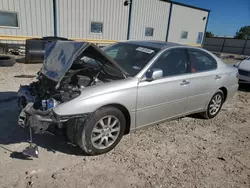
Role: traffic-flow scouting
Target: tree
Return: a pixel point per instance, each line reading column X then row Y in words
column 243, row 33
column 209, row 34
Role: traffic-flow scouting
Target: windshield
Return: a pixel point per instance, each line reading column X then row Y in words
column 132, row 58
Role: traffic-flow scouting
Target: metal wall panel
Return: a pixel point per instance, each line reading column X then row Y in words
column 213, row 48
column 74, row 18
column 214, row 41
column 235, row 42
column 149, row 13
column 35, row 17
column 227, row 45
column 247, row 52
column 186, row 19
column 248, row 44
column 232, row 50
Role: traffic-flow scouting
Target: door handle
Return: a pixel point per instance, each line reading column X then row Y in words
column 217, row 77
column 184, row 83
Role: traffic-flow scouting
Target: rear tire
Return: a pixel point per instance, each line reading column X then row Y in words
column 102, row 131
column 214, row 106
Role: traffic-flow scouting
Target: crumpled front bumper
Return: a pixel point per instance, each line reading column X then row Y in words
column 39, row 121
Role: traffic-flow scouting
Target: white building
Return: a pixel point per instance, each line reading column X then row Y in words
column 105, row 19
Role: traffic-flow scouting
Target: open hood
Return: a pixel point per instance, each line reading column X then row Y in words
column 60, row 55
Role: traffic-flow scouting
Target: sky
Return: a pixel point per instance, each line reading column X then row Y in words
column 226, row 16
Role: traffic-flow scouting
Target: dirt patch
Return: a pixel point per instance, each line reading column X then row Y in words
column 188, row 152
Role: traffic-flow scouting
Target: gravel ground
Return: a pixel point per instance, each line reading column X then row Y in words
column 188, row 152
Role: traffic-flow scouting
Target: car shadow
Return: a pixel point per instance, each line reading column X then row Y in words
column 196, row 116
column 242, row 88
column 21, row 60
column 11, row 133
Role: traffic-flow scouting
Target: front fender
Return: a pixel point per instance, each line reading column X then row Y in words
column 92, row 98
column 125, row 98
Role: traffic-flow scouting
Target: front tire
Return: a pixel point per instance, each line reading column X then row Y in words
column 102, row 131
column 214, row 106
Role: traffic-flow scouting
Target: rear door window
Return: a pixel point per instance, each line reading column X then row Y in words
column 200, row 61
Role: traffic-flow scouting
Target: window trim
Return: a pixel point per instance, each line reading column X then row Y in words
column 18, row 20
column 171, row 76
column 202, row 35
column 98, row 23
column 184, row 38
column 152, row 32
column 189, row 69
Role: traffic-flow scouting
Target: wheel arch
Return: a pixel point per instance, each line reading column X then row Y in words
column 225, row 92
column 125, row 112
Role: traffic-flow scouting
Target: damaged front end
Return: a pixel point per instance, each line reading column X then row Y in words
column 68, row 68
column 38, row 120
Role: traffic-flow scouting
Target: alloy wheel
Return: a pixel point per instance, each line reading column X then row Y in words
column 215, row 104
column 105, row 132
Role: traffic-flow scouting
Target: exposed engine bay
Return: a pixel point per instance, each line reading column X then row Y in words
column 77, row 78
column 68, row 68
column 45, row 95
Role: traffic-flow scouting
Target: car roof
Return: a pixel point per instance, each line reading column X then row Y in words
column 152, row 43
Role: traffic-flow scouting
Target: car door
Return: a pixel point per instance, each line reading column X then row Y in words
column 166, row 97
column 203, row 79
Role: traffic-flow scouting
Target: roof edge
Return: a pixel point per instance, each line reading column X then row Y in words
column 186, row 5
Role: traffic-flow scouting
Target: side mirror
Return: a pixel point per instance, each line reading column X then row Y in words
column 153, row 74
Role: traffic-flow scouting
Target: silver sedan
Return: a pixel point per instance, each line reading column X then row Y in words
column 244, row 71
column 138, row 83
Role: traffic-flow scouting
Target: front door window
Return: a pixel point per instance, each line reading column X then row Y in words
column 172, row 63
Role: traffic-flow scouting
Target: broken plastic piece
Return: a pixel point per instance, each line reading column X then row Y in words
column 31, row 150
